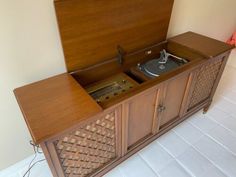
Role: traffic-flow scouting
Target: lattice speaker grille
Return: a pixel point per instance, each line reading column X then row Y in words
column 205, row 82
column 88, row 148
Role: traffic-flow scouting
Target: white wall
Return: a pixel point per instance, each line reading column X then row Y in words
column 214, row 18
column 30, row 50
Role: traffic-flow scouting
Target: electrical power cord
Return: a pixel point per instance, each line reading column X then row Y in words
column 37, row 151
column 28, row 171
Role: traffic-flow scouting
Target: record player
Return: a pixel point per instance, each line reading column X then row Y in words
column 157, row 66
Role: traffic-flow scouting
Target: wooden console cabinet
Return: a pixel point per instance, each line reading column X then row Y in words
column 82, row 137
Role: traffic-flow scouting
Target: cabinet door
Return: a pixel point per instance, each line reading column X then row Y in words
column 173, row 93
column 141, row 117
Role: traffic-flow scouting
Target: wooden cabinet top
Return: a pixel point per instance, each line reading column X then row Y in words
column 204, row 45
column 53, row 105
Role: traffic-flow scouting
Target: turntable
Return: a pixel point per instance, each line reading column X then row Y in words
column 157, row 66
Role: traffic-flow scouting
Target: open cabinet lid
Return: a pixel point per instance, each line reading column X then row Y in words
column 91, row 30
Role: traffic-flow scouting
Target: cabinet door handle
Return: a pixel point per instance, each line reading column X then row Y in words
column 161, row 108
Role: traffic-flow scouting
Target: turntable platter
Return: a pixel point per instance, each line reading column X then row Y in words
column 154, row 68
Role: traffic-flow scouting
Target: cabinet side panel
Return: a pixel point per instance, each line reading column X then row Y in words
column 89, row 148
column 224, row 62
column 206, row 78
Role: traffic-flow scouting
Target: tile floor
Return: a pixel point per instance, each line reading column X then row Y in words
column 202, row 146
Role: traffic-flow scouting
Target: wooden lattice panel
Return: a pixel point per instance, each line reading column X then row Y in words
column 206, row 78
column 88, row 148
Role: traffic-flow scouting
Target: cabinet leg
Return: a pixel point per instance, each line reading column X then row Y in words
column 206, row 108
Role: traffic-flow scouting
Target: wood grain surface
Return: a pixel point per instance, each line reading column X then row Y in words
column 53, row 105
column 91, row 30
column 202, row 44
column 173, row 97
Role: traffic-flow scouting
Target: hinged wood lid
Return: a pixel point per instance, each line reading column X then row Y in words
column 91, row 30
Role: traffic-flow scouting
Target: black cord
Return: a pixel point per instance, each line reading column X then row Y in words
column 36, row 152
column 33, row 166
column 35, row 155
